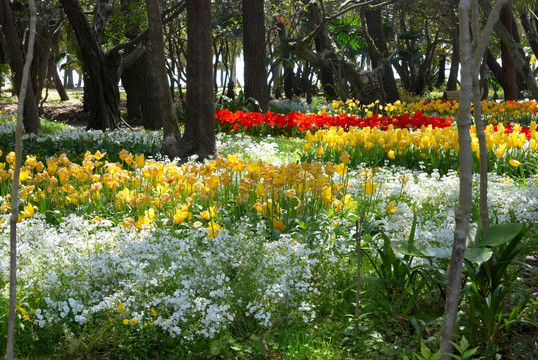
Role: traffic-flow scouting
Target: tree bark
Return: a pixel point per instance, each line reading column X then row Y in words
column 494, row 66
column 441, row 76
column 289, row 90
column 15, row 54
column 25, row 85
column 169, row 119
column 367, row 86
column 129, row 79
column 324, row 44
column 471, row 55
column 139, row 79
column 199, row 137
column 508, row 68
column 152, row 115
column 254, row 52
column 52, row 72
column 522, row 67
column 452, row 83
column 531, row 32
column 100, row 71
column 378, row 51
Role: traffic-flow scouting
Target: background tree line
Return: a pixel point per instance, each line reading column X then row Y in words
column 370, row 50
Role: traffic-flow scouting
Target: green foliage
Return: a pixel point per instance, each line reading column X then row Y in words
column 464, row 351
column 493, row 279
column 58, row 138
column 402, row 281
column 239, row 102
column 426, row 353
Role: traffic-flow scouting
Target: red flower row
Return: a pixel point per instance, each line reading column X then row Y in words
column 315, row 121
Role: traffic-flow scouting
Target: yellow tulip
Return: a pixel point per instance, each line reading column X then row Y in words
column 391, row 207
column 514, row 163
column 278, row 224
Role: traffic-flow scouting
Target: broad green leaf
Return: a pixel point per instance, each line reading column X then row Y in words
column 478, row 255
column 500, row 234
column 436, row 252
column 473, row 234
column 403, row 247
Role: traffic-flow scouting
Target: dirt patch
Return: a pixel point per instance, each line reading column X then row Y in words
column 69, row 112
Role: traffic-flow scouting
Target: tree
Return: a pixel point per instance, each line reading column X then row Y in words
column 254, row 52
column 379, row 52
column 139, row 78
column 100, row 69
column 452, row 83
column 157, row 51
column 25, row 86
column 471, row 55
column 16, row 54
column 199, row 137
column 508, row 68
column 329, row 60
column 418, row 37
column 521, row 65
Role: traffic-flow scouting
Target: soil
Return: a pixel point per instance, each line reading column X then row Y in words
column 70, row 112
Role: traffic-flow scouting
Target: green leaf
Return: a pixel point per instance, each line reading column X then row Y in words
column 403, row 247
column 500, row 234
column 473, row 234
column 478, row 255
column 440, row 253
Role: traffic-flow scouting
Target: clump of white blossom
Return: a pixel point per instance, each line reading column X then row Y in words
column 433, row 198
column 197, row 285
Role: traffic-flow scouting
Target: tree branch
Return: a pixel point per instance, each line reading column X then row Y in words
column 172, row 13
column 341, row 11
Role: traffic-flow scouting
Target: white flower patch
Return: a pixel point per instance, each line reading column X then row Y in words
column 197, row 285
column 259, row 150
column 434, row 198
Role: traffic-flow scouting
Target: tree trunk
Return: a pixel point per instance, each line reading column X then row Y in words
column 129, row 79
column 15, row 54
column 441, row 76
column 254, row 52
column 531, row 33
column 68, row 77
column 378, row 51
column 471, row 55
column 152, row 115
column 508, row 68
column 322, row 43
column 287, row 61
column 169, row 119
column 521, row 65
column 452, row 83
column 40, row 63
column 367, row 86
column 200, row 108
column 101, row 77
column 494, row 66
column 25, row 85
column 52, row 72
column 199, row 138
